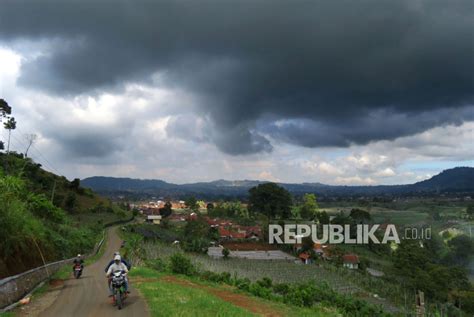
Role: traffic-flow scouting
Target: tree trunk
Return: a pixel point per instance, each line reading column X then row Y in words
column 9, row 135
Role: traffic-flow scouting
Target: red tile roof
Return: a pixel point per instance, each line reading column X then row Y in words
column 350, row 258
column 304, row 256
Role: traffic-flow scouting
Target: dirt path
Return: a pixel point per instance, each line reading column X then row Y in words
column 236, row 299
column 87, row 296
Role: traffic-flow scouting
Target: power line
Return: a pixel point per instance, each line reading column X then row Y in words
column 46, row 162
column 33, row 147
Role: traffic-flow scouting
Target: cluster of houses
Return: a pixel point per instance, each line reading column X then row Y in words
column 151, row 210
column 230, row 231
column 156, row 205
column 226, row 228
column 349, row 260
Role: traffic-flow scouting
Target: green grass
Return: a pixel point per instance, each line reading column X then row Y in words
column 7, row 314
column 169, row 299
column 63, row 273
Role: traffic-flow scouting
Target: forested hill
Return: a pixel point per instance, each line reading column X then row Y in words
column 455, row 180
column 43, row 214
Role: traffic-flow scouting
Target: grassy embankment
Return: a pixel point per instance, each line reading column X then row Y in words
column 46, row 217
column 177, row 295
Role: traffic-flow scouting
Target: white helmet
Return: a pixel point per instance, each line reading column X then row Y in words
column 78, row 255
column 117, row 258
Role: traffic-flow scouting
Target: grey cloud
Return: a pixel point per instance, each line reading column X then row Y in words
column 188, row 127
column 379, row 125
column 337, row 64
column 89, row 144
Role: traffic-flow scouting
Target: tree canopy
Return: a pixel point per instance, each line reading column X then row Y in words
column 271, row 200
column 309, row 209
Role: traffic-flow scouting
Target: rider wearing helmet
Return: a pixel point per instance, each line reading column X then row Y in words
column 78, row 260
column 128, row 265
column 117, row 265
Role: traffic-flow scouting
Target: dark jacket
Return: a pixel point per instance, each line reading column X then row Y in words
column 128, row 265
column 78, row 261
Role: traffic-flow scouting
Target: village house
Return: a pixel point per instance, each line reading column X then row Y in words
column 229, row 231
column 305, row 257
column 350, row 261
column 155, row 219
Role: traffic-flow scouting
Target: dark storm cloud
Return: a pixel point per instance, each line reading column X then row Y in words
column 379, row 125
column 91, row 142
column 336, row 64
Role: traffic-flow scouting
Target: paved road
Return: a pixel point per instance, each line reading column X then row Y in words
column 87, row 296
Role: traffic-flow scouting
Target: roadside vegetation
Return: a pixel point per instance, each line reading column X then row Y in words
column 173, row 294
column 45, row 217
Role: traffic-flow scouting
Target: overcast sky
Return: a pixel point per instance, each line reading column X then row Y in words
column 338, row 92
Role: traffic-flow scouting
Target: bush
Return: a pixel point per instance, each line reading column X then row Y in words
column 265, row 282
column 225, row 253
column 243, row 284
column 180, row 264
column 198, row 245
column 157, row 264
column 281, row 289
column 260, row 291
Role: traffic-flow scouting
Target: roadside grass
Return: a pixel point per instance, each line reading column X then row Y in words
column 165, row 298
column 7, row 314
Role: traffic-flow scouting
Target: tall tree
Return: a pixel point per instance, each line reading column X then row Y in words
column 309, row 209
column 360, row 216
column 270, row 200
column 166, row 210
column 5, row 111
column 10, row 125
column 30, row 139
column 191, row 203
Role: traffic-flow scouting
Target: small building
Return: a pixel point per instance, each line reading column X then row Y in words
column 155, row 219
column 305, row 257
column 193, row 216
column 351, row 261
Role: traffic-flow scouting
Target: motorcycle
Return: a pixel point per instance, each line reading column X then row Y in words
column 77, row 270
column 118, row 287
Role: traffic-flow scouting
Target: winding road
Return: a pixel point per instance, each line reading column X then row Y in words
column 87, row 296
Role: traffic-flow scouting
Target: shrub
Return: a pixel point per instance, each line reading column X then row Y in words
column 265, row 282
column 180, row 264
column 260, row 291
column 281, row 289
column 157, row 264
column 243, row 284
column 225, row 253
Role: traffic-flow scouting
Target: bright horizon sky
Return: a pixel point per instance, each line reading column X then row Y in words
column 300, row 93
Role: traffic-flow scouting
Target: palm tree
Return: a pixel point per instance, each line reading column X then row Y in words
column 10, row 125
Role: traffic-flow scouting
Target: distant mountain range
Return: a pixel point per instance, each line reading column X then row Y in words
column 455, row 180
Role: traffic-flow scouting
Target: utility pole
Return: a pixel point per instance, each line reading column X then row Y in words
column 52, row 194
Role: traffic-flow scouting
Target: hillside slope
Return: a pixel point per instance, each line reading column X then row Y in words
column 45, row 216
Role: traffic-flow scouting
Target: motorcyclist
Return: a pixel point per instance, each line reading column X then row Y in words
column 117, row 265
column 78, row 260
column 128, row 265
